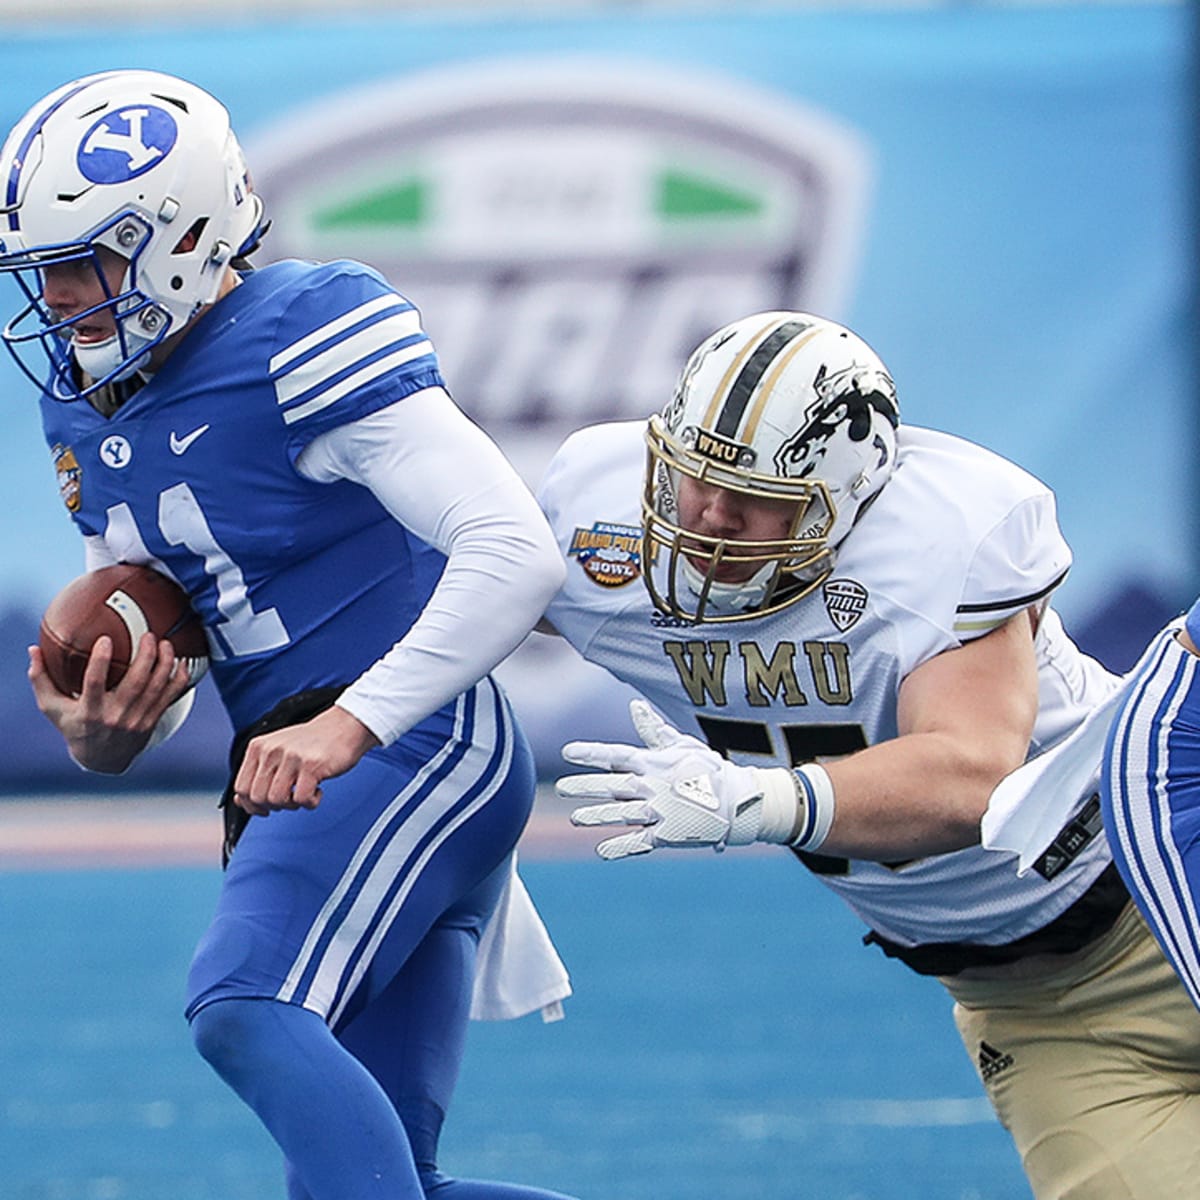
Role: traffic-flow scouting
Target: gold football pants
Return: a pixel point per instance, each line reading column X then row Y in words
column 1092, row 1063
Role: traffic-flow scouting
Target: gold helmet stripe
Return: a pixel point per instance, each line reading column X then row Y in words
column 751, row 375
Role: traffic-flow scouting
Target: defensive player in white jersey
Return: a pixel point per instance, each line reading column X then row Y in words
column 846, row 623
column 281, row 442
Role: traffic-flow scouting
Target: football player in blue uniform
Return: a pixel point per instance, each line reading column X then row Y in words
column 282, row 444
column 1150, row 792
column 1146, row 736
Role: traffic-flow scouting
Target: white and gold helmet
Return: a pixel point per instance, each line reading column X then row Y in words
column 776, row 406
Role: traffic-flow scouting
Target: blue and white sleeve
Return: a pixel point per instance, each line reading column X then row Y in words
column 347, row 346
column 443, row 478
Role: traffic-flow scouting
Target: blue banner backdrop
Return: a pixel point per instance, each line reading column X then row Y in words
column 996, row 198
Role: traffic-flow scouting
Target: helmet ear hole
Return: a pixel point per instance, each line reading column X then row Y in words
column 190, row 240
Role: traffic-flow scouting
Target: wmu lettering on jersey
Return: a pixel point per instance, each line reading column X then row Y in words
column 760, row 677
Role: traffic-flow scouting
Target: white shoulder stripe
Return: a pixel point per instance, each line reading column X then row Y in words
column 361, row 313
column 346, row 353
column 371, row 371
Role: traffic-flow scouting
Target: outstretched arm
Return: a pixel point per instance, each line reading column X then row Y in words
column 965, row 720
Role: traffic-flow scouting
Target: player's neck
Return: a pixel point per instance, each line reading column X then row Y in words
column 108, row 399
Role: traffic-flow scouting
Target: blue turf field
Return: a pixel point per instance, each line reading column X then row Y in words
column 729, row 1039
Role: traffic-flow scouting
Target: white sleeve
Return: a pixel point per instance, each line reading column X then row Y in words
column 1016, row 565
column 442, row 477
column 96, row 553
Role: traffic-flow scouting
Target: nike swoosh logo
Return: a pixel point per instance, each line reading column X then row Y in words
column 180, row 444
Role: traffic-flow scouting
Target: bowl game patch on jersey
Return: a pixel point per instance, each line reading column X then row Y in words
column 610, row 554
column 66, row 469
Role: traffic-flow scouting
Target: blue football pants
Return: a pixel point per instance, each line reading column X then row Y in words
column 332, row 988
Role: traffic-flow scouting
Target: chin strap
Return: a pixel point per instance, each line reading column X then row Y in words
column 725, row 598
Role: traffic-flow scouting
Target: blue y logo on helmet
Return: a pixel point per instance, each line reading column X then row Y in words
column 126, row 143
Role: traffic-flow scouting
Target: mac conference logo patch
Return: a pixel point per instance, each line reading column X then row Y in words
column 845, row 602
column 571, row 230
column 610, row 555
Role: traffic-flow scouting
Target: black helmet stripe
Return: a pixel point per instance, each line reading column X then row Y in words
column 751, row 375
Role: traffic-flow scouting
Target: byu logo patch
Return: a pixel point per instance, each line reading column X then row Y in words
column 126, row 143
column 116, row 452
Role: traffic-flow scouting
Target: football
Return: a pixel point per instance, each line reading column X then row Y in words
column 123, row 601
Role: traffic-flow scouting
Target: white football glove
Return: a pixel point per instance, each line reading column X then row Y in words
column 680, row 790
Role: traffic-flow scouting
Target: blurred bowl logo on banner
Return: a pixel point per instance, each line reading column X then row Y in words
column 572, row 229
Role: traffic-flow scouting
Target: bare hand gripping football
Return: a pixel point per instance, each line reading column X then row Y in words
column 122, row 602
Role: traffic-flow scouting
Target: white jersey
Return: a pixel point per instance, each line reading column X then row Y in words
column 958, row 541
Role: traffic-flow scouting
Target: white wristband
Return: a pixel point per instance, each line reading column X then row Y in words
column 780, row 814
column 797, row 806
column 815, row 805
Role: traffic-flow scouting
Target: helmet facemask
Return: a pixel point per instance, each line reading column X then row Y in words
column 778, row 410
column 139, row 325
column 684, row 569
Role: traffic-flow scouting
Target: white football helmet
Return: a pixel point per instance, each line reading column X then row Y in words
column 780, row 405
column 134, row 161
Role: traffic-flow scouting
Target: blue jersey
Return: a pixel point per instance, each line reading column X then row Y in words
column 299, row 584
